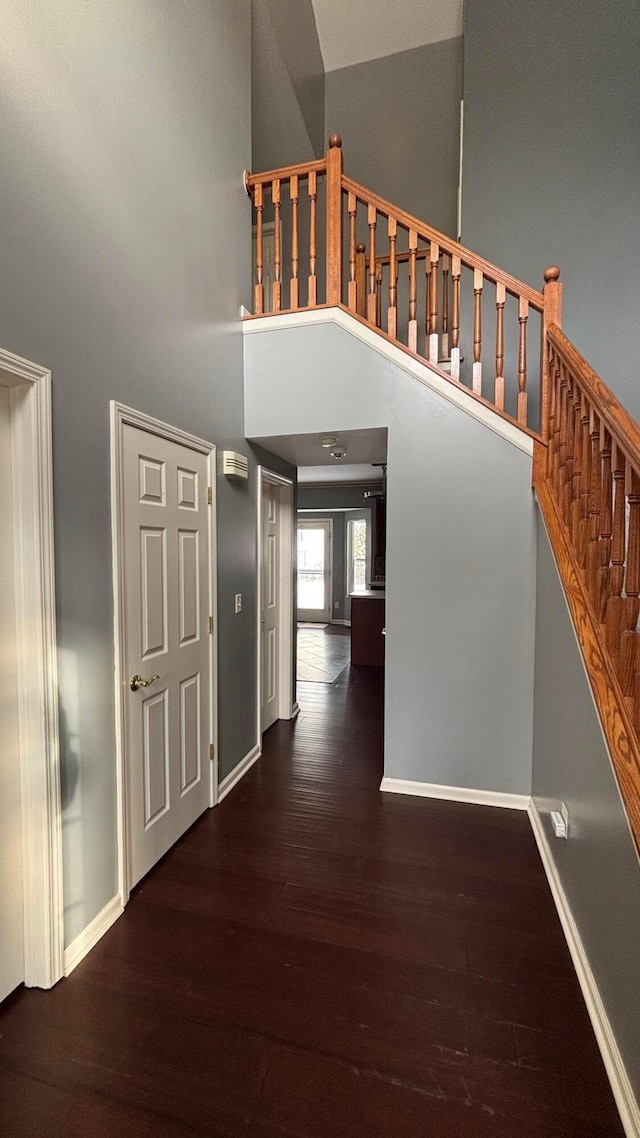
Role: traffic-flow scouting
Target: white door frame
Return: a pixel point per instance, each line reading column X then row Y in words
column 287, row 707
column 32, row 504
column 121, row 417
column 309, row 523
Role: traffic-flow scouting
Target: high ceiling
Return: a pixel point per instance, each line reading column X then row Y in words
column 363, row 447
column 359, row 30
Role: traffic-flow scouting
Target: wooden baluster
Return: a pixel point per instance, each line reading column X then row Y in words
column 629, row 639
column 553, row 418
column 580, row 519
column 259, row 287
column 392, row 313
column 615, row 602
column 455, row 319
column 333, row 192
column 523, row 316
column 446, row 262
column 434, row 257
column 372, row 305
column 352, row 206
column 606, row 523
column 592, row 557
column 277, row 247
column 413, row 292
column 313, row 248
column 560, row 443
column 554, row 444
column 378, row 304
column 552, row 314
column 571, row 449
column 576, row 473
column 501, row 296
column 477, row 331
column 361, row 279
column 294, row 287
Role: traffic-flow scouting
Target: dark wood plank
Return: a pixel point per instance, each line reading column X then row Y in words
column 314, row 959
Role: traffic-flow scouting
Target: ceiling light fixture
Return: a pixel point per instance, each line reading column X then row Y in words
column 328, row 440
column 338, row 453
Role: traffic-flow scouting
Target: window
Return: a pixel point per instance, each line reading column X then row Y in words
column 356, row 555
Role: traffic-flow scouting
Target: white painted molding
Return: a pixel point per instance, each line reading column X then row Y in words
column 32, row 505
column 456, row 793
column 89, row 937
column 345, row 623
column 612, row 1059
column 122, row 416
column 295, row 710
column 238, row 772
column 425, row 373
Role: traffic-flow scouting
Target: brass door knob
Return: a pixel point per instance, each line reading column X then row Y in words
column 137, row 682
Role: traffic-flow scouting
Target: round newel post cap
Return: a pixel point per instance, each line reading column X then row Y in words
column 551, row 274
column 361, row 247
column 335, row 140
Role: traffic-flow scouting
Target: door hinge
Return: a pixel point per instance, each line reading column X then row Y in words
column 209, row 495
column 211, row 626
column 212, row 751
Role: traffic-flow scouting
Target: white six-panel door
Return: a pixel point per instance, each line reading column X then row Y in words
column 270, row 622
column 167, row 555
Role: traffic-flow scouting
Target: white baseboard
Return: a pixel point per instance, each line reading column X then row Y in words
column 455, row 793
column 234, row 776
column 89, row 937
column 295, row 710
column 346, row 623
column 611, row 1057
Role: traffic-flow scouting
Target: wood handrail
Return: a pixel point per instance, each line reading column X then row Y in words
column 624, row 428
column 467, row 257
column 286, row 173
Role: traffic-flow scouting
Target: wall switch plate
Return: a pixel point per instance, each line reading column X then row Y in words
column 238, row 603
column 336, row 604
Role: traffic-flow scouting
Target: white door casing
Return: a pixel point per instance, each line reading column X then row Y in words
column 164, row 628
column 39, row 800
column 275, row 656
column 270, row 618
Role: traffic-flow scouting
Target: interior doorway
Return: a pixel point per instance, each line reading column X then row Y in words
column 275, row 599
column 31, row 906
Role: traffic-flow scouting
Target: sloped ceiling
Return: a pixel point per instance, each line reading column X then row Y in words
column 357, row 30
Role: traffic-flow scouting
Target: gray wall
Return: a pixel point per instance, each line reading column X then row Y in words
column 399, row 120
column 598, row 865
column 460, row 553
column 552, row 162
column 125, row 254
column 287, row 96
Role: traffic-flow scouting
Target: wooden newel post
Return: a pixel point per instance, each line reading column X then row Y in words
column 334, row 220
column 551, row 314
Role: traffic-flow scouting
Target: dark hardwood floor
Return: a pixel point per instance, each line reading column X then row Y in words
column 315, row 958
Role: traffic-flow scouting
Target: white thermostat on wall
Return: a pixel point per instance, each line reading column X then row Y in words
column 235, row 465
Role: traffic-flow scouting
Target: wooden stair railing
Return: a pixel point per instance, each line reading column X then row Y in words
column 425, row 292
column 587, row 480
column 586, row 465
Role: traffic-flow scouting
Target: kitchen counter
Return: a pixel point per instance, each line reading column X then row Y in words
column 367, row 623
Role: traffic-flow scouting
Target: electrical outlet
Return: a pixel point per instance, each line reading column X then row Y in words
column 336, row 605
column 238, row 603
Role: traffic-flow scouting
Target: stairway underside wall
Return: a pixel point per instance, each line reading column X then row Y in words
column 460, row 552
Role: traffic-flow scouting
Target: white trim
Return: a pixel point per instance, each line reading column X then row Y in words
column 425, row 373
column 295, row 710
column 122, row 416
column 456, row 793
column 32, row 507
column 89, row 937
column 612, row 1059
column 238, row 772
column 286, row 580
column 346, row 623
